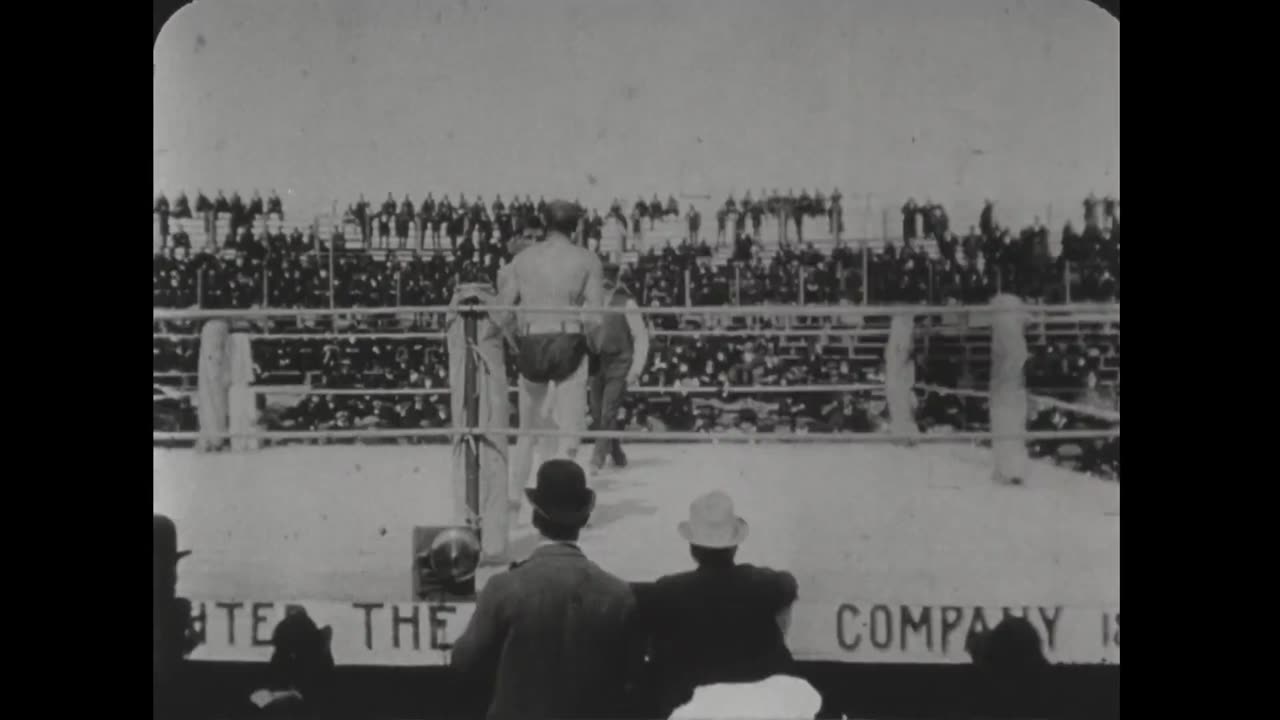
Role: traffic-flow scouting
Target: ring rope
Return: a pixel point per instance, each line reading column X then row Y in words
column 1106, row 310
column 430, row 335
column 1099, row 413
column 653, row 389
column 647, row 435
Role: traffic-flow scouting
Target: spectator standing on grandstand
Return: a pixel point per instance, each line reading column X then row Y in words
column 756, row 210
column 202, row 203
column 1091, row 210
column 238, row 214
column 722, row 217
column 835, row 214
column 987, row 220
column 798, row 210
column 655, row 210
column 256, row 207
column 673, row 207
column 556, row 635
column 362, row 216
column 621, row 348
column 909, row 213
column 220, row 204
column 637, row 223
column 403, row 218
column 388, row 212
column 721, row 622
column 695, row 223
column 161, row 211
column 181, row 209
column 426, row 217
column 443, row 219
column 275, row 206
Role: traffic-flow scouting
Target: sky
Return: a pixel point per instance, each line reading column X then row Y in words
column 954, row 101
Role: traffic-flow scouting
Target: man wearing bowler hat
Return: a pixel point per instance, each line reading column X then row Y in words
column 722, row 622
column 172, row 638
column 556, row 634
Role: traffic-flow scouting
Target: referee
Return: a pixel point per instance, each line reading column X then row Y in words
column 621, row 348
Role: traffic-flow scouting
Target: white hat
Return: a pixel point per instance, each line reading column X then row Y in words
column 712, row 522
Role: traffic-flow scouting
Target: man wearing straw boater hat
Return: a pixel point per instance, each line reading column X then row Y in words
column 556, row 635
column 722, row 622
column 552, row 346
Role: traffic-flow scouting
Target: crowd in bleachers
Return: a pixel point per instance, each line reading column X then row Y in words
column 277, row 270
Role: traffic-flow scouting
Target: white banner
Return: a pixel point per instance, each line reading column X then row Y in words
column 421, row 634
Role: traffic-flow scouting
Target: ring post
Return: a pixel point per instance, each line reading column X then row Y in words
column 472, row 404
column 479, row 398
column 1008, row 390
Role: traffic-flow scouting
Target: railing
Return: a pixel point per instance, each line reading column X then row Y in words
column 864, row 284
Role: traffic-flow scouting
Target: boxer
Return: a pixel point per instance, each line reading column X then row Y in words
column 551, row 348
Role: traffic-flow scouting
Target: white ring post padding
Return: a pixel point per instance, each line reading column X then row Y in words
column 665, row 436
column 899, row 375
column 213, row 383
column 1008, row 404
column 242, row 403
column 492, row 451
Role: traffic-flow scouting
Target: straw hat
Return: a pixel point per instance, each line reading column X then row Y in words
column 712, row 523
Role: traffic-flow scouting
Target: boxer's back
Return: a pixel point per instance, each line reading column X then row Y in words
column 557, row 273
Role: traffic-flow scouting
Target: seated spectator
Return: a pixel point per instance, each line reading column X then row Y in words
column 722, row 622
column 300, row 673
column 1009, row 670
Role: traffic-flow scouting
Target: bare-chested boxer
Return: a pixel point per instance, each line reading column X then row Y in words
column 551, row 347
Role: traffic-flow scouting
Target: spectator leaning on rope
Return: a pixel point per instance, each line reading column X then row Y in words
column 722, row 622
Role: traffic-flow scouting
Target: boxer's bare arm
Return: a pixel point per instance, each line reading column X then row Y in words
column 593, row 292
column 508, row 294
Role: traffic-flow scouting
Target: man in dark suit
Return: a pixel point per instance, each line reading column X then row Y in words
column 171, row 632
column 720, row 623
column 620, row 349
column 556, row 634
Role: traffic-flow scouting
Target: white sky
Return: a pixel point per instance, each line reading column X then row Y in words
column 956, row 100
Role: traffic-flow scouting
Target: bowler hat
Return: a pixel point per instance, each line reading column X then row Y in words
column 712, row 523
column 562, row 494
column 164, row 539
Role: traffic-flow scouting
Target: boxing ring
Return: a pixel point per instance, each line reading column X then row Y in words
column 901, row 541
